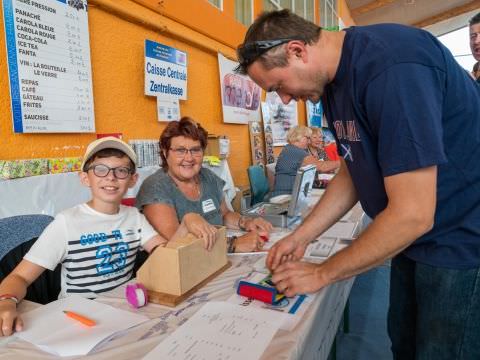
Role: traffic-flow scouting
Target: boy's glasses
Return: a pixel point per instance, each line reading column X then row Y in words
column 182, row 152
column 101, row 170
column 249, row 52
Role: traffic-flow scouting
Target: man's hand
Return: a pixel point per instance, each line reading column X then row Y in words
column 9, row 319
column 287, row 249
column 295, row 277
column 199, row 227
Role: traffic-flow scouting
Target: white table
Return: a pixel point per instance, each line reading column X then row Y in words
column 312, row 338
column 50, row 194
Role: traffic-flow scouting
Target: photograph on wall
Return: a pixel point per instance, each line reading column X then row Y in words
column 281, row 117
column 256, row 143
column 267, row 130
column 314, row 114
column 240, row 95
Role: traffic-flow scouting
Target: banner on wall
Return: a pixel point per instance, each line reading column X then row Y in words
column 48, row 52
column 240, row 95
column 165, row 71
column 314, row 114
column 256, row 143
column 279, row 117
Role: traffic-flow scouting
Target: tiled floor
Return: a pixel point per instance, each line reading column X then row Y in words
column 367, row 338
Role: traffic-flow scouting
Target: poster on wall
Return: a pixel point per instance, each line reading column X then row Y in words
column 165, row 71
column 267, row 130
column 168, row 109
column 240, row 95
column 256, row 143
column 281, row 117
column 315, row 114
column 48, row 52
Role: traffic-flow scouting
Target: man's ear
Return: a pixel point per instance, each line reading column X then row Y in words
column 297, row 49
column 84, row 178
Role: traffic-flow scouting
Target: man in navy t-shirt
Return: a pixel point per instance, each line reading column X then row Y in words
column 406, row 118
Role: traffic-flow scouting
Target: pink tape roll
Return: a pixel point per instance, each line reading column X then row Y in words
column 136, row 295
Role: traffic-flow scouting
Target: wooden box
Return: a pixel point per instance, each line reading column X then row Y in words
column 181, row 265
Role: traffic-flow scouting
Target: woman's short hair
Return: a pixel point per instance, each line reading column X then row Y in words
column 297, row 132
column 186, row 127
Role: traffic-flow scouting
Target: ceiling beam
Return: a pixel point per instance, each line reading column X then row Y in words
column 459, row 10
column 370, row 6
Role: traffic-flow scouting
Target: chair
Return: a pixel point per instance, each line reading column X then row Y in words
column 258, row 184
column 17, row 235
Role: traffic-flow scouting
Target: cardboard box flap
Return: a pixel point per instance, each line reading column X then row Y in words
column 178, row 243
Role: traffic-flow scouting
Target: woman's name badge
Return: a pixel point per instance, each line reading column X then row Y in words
column 208, row 206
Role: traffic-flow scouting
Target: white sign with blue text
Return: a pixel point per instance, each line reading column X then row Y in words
column 165, row 71
column 48, row 52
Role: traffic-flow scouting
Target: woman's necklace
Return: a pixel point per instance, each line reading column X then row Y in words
column 192, row 192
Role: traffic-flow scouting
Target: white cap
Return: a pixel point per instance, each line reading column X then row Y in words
column 108, row 142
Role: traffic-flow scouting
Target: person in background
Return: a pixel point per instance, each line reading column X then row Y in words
column 406, row 118
column 474, row 27
column 316, row 148
column 96, row 242
column 183, row 186
column 293, row 156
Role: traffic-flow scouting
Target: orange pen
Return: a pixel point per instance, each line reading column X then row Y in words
column 80, row 318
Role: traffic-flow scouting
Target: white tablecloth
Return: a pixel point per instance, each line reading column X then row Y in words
column 50, row 194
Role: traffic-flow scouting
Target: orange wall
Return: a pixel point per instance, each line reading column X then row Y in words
column 118, row 29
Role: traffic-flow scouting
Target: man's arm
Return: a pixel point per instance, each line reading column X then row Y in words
column 408, row 215
column 339, row 197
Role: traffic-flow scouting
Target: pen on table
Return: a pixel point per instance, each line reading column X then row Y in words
column 80, row 318
column 264, row 237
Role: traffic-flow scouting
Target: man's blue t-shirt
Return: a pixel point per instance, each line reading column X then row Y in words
column 399, row 102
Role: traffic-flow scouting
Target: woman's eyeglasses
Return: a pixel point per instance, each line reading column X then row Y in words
column 249, row 52
column 182, row 152
column 101, row 170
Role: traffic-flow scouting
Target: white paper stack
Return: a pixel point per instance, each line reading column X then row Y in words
column 51, row 330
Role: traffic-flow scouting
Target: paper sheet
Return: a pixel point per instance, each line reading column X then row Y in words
column 50, row 329
column 341, row 229
column 220, row 330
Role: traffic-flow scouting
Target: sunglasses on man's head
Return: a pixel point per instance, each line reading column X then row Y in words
column 249, row 52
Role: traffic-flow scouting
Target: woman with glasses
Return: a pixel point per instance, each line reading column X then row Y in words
column 183, row 186
column 295, row 155
column 316, row 148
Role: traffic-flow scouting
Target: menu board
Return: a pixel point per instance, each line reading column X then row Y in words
column 49, row 67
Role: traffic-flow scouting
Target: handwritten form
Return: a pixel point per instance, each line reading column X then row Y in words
column 51, row 330
column 220, row 330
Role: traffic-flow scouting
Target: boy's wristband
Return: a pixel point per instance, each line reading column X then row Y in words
column 9, row 297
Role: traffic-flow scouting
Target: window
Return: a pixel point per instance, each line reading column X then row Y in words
column 244, row 11
column 328, row 14
column 303, row 8
column 217, row 3
column 458, row 43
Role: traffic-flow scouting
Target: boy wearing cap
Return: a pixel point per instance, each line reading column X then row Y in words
column 96, row 242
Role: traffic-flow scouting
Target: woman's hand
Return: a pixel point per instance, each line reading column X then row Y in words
column 257, row 224
column 9, row 319
column 199, row 227
column 250, row 242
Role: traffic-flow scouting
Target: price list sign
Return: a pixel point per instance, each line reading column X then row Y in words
column 49, row 67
